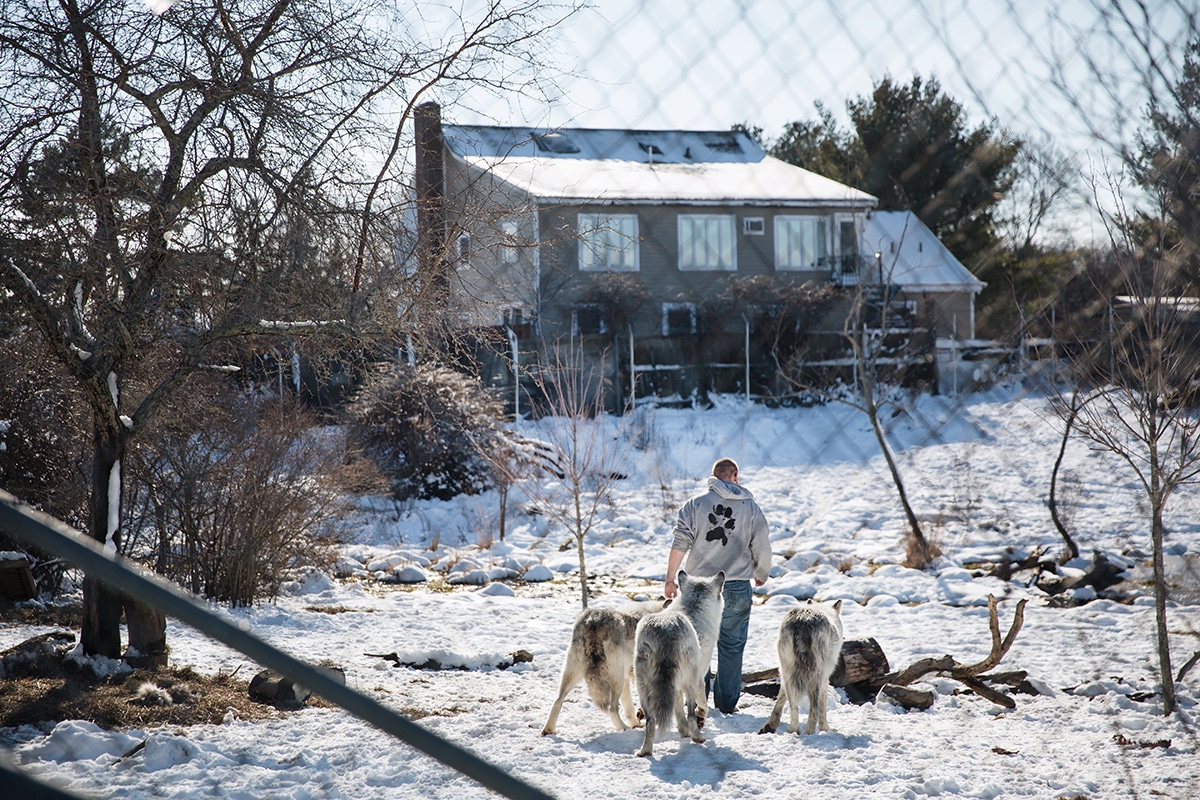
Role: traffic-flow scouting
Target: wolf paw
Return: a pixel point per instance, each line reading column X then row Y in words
column 768, row 728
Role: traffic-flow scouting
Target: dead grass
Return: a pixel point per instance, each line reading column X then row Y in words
column 50, row 689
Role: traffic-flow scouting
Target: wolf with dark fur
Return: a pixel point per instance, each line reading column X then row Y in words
column 672, row 653
column 601, row 653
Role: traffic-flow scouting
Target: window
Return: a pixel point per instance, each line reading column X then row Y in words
column 847, row 244
column 464, row 249
column 554, row 142
column 706, row 241
column 678, row 319
column 800, row 243
column 519, row 320
column 588, row 319
column 508, row 247
column 608, row 242
column 726, row 143
column 753, row 226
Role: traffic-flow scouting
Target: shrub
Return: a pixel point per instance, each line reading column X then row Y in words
column 424, row 427
column 44, row 458
column 229, row 498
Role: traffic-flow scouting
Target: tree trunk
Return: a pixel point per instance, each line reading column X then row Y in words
column 147, row 635
column 100, row 633
column 923, row 552
column 1072, row 550
column 1160, row 608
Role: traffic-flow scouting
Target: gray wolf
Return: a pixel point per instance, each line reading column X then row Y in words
column 672, row 653
column 601, row 652
column 810, row 643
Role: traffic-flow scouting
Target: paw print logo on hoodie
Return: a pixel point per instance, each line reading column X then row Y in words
column 721, row 518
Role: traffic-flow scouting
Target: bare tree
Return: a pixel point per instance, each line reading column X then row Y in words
column 878, row 356
column 873, row 395
column 173, row 183
column 574, row 490
column 1144, row 407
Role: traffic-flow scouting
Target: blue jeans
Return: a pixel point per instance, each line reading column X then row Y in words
column 735, row 625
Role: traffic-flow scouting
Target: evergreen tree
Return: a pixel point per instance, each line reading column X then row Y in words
column 912, row 146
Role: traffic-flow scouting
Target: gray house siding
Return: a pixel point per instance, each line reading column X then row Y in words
column 564, row 283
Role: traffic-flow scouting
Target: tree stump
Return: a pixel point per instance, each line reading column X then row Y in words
column 861, row 660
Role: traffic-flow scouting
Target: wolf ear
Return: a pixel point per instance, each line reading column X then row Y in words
column 838, row 606
column 680, row 578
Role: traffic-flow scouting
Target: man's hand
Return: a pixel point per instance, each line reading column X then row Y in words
column 669, row 589
column 757, row 582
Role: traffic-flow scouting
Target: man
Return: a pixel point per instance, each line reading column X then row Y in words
column 724, row 529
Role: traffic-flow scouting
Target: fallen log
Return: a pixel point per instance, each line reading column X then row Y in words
column 432, row 664
column 908, row 697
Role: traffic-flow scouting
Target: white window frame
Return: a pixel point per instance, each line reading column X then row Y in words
column 667, row 308
column 792, row 250
column 575, row 309
column 509, row 253
column 754, row 226
column 707, row 242
column 608, row 243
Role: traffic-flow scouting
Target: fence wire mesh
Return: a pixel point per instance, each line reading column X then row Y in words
column 1083, row 90
column 1079, row 121
column 1052, row 146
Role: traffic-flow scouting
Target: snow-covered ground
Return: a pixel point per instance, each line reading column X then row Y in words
column 977, row 469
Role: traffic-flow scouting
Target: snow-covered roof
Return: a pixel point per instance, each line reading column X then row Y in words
column 913, row 257
column 591, row 165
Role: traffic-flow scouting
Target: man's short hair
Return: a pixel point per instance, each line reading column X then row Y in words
column 724, row 466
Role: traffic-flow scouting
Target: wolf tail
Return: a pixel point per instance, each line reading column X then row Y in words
column 656, row 681
column 598, row 660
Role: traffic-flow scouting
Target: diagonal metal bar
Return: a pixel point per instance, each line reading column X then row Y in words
column 46, row 533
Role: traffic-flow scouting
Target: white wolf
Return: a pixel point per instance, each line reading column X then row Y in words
column 810, row 643
column 601, row 652
column 672, row 653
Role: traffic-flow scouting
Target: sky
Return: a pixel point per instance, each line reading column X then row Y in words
column 716, row 62
column 976, row 467
column 1076, row 74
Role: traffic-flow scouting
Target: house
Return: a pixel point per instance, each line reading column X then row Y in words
column 646, row 246
column 934, row 285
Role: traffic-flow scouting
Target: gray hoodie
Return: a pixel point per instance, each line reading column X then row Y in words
column 724, row 529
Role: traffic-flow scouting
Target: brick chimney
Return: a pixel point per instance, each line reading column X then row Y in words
column 430, row 182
